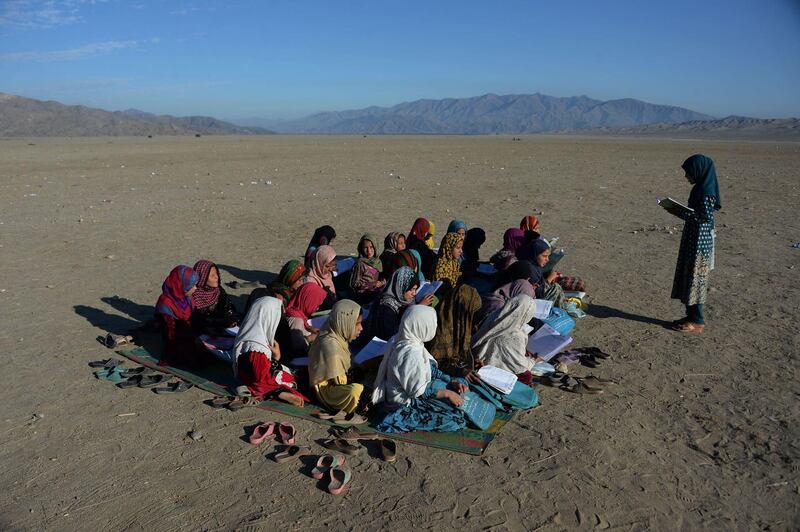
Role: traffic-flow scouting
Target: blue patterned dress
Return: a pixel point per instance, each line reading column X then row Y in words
column 696, row 255
column 426, row 412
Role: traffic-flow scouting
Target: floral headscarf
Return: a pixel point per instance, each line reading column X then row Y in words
column 448, row 267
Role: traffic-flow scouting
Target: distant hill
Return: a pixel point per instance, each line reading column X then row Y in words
column 26, row 117
column 731, row 127
column 491, row 114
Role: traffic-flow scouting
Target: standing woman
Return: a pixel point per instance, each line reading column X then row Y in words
column 696, row 255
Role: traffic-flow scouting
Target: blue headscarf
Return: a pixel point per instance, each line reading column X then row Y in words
column 701, row 170
column 455, row 225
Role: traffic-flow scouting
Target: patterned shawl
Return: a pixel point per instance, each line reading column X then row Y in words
column 292, row 271
column 373, row 261
column 448, row 267
column 401, row 282
column 451, row 346
column 173, row 301
column 205, row 296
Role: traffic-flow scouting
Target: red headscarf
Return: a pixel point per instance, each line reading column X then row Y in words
column 173, row 301
column 420, row 229
column 205, row 296
column 305, row 301
column 529, row 223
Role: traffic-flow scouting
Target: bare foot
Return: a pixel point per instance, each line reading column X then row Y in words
column 292, row 399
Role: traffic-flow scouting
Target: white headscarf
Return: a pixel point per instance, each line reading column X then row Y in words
column 405, row 370
column 501, row 341
column 257, row 332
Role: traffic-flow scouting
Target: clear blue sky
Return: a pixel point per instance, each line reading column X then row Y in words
column 289, row 58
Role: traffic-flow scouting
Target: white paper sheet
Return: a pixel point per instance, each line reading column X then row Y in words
column 232, row 331
column 547, row 342
column 543, row 307
column 375, row 348
column 500, row 379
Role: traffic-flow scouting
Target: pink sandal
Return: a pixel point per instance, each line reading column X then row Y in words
column 325, row 463
column 286, row 433
column 261, row 432
column 340, row 480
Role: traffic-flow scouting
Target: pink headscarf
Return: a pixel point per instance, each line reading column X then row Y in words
column 513, row 239
column 317, row 275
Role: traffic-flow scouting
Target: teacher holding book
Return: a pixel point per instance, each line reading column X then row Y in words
column 696, row 255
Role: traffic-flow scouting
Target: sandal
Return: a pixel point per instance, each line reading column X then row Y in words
column 107, row 363
column 689, row 327
column 596, row 352
column 132, row 382
column 241, row 402
column 599, row 381
column 341, row 414
column 352, row 434
column 148, row 381
column 141, row 370
column 589, row 361
column 340, row 480
column 112, row 340
column 174, row 387
column 220, row 402
column 286, row 433
column 326, row 463
column 388, row 450
column 291, row 452
column 341, row 445
column 261, row 432
column 350, row 419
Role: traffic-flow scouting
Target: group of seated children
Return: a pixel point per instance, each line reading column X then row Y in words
column 435, row 344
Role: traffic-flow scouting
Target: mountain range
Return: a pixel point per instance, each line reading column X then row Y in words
column 491, row 114
column 26, row 117
column 481, row 115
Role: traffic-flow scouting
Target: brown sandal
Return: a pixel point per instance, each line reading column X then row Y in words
column 689, row 327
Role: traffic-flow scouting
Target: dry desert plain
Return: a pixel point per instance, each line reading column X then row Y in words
column 701, row 433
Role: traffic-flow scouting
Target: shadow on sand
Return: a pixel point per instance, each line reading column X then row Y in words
column 602, row 311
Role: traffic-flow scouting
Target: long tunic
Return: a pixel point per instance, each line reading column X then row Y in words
column 696, row 255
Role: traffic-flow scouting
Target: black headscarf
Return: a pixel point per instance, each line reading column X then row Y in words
column 473, row 240
column 523, row 269
column 701, row 170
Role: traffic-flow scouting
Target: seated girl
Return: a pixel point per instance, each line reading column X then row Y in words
column 451, row 347
column 330, row 359
column 323, row 262
column 365, row 279
column 291, row 276
column 494, row 301
column 513, row 240
column 458, row 226
column 448, row 265
column 386, row 311
column 305, row 302
column 323, row 236
column 548, row 288
column 411, row 393
column 407, row 257
column 502, row 341
column 173, row 313
column 532, row 226
column 256, row 355
column 473, row 241
column 212, row 311
column 393, row 243
column 420, row 232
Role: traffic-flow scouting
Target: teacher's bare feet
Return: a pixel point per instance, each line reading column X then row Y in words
column 689, row 327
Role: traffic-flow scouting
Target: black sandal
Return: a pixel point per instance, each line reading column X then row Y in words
column 174, row 387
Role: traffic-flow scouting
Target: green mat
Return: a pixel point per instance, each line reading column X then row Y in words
column 217, row 378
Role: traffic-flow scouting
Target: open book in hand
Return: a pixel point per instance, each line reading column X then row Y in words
column 673, row 207
column 427, row 288
column 547, row 342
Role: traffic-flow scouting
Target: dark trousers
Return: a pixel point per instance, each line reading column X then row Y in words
column 694, row 313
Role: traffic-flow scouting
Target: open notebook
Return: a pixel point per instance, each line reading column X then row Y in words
column 547, row 342
column 672, row 206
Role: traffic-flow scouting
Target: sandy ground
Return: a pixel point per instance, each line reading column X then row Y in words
column 702, row 433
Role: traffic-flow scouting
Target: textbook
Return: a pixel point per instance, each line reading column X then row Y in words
column 427, row 288
column 375, row 348
column 486, row 268
column 498, row 378
column 543, row 308
column 344, row 265
column 672, row 206
column 232, row 331
column 555, row 257
column 547, row 342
